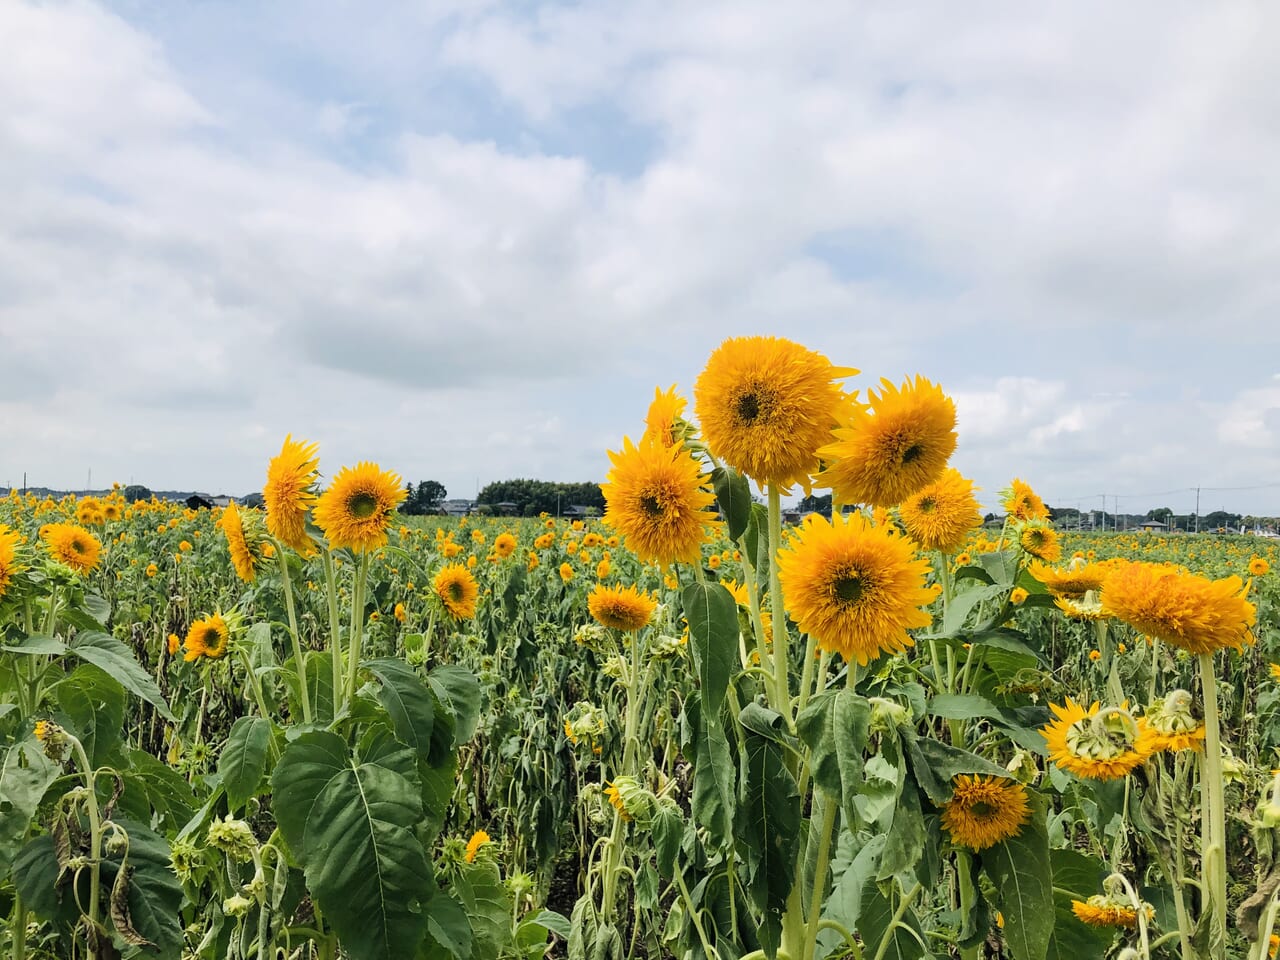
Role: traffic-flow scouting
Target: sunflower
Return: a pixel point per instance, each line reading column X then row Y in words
column 458, row 589
column 1173, row 723
column 855, row 587
column 940, row 516
column 1018, row 596
column 1073, row 582
column 478, row 840
column 655, row 498
column 766, row 405
column 1022, row 503
column 504, row 544
column 1038, row 539
column 8, row 557
column 1105, row 911
column 1187, row 610
column 623, row 608
column 1081, row 609
column 566, row 572
column 1258, row 567
column 289, row 493
column 663, row 424
column 984, row 811
column 1098, row 747
column 72, row 546
column 242, row 552
column 901, row 445
column 206, row 638
column 356, row 509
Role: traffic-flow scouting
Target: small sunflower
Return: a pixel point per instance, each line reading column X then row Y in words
column 73, row 546
column 623, row 608
column 1073, row 582
column 1173, row 723
column 8, row 557
column 1038, row 539
column 1018, row 596
column 458, row 590
column 855, row 587
column 766, row 404
column 984, row 811
column 1082, row 609
column 1184, row 609
column 664, row 424
column 941, row 515
column 1097, row 746
column 897, row 447
column 1022, row 503
column 207, row 638
column 1258, row 567
column 289, row 493
column 566, row 572
column 1101, row 910
column 478, row 840
column 243, row 556
column 356, row 509
column 504, row 544
column 655, row 497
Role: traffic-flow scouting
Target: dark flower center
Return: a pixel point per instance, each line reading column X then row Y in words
column 982, row 809
column 912, row 454
column 211, row 637
column 362, row 506
column 851, row 588
column 455, row 592
column 927, row 505
column 651, row 505
column 747, row 408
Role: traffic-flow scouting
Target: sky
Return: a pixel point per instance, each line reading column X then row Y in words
column 467, row 239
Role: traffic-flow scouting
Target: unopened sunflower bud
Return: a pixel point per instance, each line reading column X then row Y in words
column 185, row 857
column 1232, row 769
column 888, row 715
column 234, row 838
column 1023, row 767
column 667, row 648
column 614, row 667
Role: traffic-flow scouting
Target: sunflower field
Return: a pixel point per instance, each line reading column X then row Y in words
column 687, row 730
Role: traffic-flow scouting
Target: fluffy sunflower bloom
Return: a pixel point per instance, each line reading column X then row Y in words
column 1022, row 503
column 356, row 509
column 1073, row 582
column 1175, row 727
column 664, row 424
column 1101, row 910
column 72, row 546
column 766, row 404
column 8, row 557
column 655, row 498
column 244, row 555
column 206, row 638
column 897, row 447
column 1038, row 539
column 478, row 840
column 458, row 590
column 566, row 572
column 1187, row 610
column 984, row 811
column 1097, row 746
column 623, row 608
column 504, row 544
column 289, row 493
column 856, row 588
column 941, row 515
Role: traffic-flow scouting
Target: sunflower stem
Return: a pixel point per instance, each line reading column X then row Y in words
column 357, row 628
column 829, row 806
column 964, row 875
column 335, row 628
column 781, row 668
column 300, row 664
column 1213, row 841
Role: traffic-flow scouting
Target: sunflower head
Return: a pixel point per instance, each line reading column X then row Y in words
column 504, row 544
column 1174, row 725
column 1022, row 503
column 856, row 588
column 356, row 510
column 1038, row 539
column 1073, row 582
column 984, row 811
column 1099, row 745
column 290, row 493
column 1184, row 609
column 72, row 546
column 623, row 608
column 766, row 404
column 665, row 423
column 457, row 590
column 207, row 638
column 941, row 515
column 1258, row 567
column 9, row 540
column 244, row 540
column 478, row 840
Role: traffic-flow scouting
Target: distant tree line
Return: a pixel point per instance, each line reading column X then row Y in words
column 533, row 497
column 425, row 498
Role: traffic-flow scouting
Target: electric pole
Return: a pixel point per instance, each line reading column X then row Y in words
column 1197, row 509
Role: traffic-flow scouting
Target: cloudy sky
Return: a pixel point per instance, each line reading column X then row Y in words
column 467, row 239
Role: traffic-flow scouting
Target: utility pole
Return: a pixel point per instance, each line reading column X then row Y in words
column 1116, row 497
column 1197, row 509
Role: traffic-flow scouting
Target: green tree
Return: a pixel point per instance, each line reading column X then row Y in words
column 135, row 492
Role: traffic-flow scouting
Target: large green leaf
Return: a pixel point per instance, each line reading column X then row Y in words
column 851, row 726
column 876, row 924
column 844, row 905
column 352, row 825
column 92, row 702
column 770, row 825
column 448, row 926
column 714, row 780
column 488, row 904
column 936, row 764
column 105, row 651
column 713, row 640
column 1021, row 871
column 407, row 700
column 816, row 725
column 733, row 495
column 244, row 759
column 25, row 774
column 459, row 690
column 37, row 645
column 155, row 896
column 905, row 843
column 151, row 785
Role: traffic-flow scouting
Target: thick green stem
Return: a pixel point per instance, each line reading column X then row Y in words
column 357, row 629
column 95, row 834
column 829, row 806
column 286, row 583
column 335, row 628
column 1213, row 840
column 19, row 929
column 968, row 896
column 781, row 668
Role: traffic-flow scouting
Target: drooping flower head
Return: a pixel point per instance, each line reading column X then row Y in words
column 243, row 542
column 1038, row 539
column 1111, row 908
column 356, row 509
column 8, row 557
column 623, row 608
column 664, row 424
column 655, row 498
column 1073, row 582
column 885, row 453
column 1022, row 503
column 290, row 493
column 458, row 590
column 940, row 515
column 1103, row 745
column 984, row 811
column 1187, row 610
column 207, row 638
column 766, row 404
column 72, row 546
column 1175, row 726
column 856, row 588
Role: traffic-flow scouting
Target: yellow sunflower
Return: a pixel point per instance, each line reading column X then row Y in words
column 243, row 557
column 458, row 589
column 504, row 544
column 1081, row 609
column 655, row 498
column 940, row 516
column 901, row 445
column 854, row 587
column 984, row 811
column 1073, row 582
column 72, row 546
column 1038, row 539
column 1187, row 610
column 623, row 608
column 1104, row 911
column 478, row 840
column 1173, row 723
column 662, row 425
column 356, row 509
column 566, row 572
column 766, row 405
column 1022, row 503
column 1098, row 747
column 8, row 557
column 1258, row 567
column 206, row 638
column 289, row 493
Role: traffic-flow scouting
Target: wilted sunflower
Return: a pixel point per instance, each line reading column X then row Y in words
column 1175, row 726
column 1101, row 910
column 1038, row 539
column 206, row 638
column 984, row 811
column 900, row 445
column 72, row 546
column 766, row 405
column 289, row 493
column 655, row 498
column 1081, row 609
column 1099, row 748
column 623, row 608
column 1187, row 610
column 663, row 420
column 458, row 589
column 1022, row 503
column 856, row 588
column 8, row 557
column 243, row 555
column 356, row 509
column 1073, row 582
column 940, row 516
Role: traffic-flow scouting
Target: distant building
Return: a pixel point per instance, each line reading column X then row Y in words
column 1153, row 525
column 506, row 508
column 457, row 508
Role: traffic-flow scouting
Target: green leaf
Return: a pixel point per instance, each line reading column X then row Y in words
column 713, row 639
column 905, row 842
column 816, row 725
column 25, row 775
column 93, row 704
column 756, row 541
column 733, row 494
column 668, row 834
column 105, row 651
column 962, row 706
column 936, row 764
column 35, row 876
column 447, row 925
column 876, row 925
column 97, row 607
column 37, row 645
column 770, row 827
column 844, row 905
column 488, row 905
column 459, row 690
column 408, row 701
column 154, row 896
column 714, row 796
column 244, row 759
column 1020, row 869
column 163, row 789
column 353, row 829
column 851, row 725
